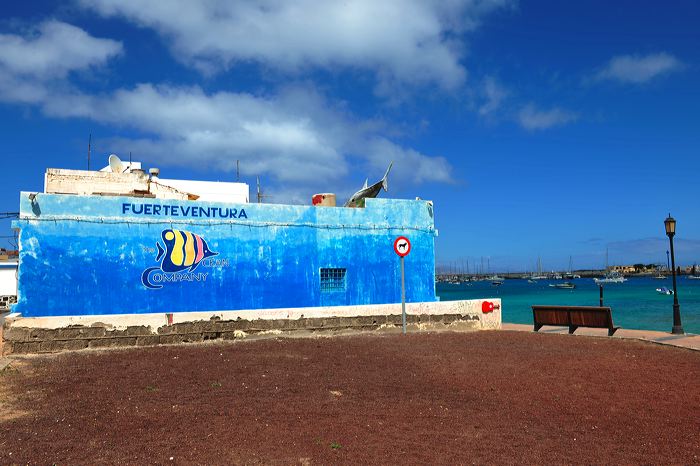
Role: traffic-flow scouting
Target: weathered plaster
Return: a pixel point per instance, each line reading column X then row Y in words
column 85, row 255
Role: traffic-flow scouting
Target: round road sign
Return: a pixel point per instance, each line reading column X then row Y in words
column 402, row 246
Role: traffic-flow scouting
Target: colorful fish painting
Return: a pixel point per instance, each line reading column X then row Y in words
column 182, row 250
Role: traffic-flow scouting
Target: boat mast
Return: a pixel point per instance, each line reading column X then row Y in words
column 606, row 259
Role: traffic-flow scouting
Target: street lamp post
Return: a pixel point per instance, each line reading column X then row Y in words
column 670, row 225
column 668, row 263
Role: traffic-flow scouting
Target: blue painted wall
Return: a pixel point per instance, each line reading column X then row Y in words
column 83, row 255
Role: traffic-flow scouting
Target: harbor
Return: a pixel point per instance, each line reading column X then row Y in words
column 349, row 232
column 636, row 304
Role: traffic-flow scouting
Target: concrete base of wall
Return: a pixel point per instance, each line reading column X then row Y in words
column 53, row 334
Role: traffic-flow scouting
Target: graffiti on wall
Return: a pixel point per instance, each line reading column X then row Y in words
column 181, row 254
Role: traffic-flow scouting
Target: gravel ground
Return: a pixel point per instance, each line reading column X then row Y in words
column 482, row 397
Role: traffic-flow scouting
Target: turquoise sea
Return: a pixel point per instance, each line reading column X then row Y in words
column 635, row 303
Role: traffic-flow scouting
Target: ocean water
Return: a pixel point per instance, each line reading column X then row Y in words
column 635, row 303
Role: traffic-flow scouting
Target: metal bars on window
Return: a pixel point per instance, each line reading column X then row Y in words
column 332, row 279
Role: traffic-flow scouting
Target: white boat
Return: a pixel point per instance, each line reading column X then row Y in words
column 664, row 290
column 611, row 277
column 694, row 277
column 496, row 280
column 563, row 286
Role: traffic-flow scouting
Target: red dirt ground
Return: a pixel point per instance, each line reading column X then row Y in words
column 483, row 397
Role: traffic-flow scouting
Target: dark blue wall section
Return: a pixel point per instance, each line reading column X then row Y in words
column 84, row 255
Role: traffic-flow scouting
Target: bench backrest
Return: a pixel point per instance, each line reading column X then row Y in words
column 580, row 316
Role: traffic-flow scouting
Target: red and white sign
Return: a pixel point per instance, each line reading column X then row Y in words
column 402, row 246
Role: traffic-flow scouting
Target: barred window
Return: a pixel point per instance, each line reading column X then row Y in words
column 332, row 280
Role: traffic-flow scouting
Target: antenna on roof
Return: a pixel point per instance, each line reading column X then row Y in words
column 238, row 174
column 261, row 196
column 89, row 143
column 116, row 164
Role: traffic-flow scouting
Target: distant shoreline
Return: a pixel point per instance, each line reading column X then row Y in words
column 526, row 275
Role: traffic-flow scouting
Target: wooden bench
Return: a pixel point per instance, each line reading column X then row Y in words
column 574, row 317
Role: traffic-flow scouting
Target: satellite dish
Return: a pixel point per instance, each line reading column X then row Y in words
column 116, row 164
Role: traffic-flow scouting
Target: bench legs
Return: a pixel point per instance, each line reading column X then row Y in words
column 573, row 328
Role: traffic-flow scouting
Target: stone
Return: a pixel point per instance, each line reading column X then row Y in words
column 26, row 347
column 394, row 319
column 192, row 337
column 16, row 333
column 231, row 325
column 147, row 340
column 112, row 342
column 68, row 332
column 53, row 346
column 139, row 330
column 413, row 319
column 170, row 339
column 92, row 332
column 42, row 334
column 166, row 330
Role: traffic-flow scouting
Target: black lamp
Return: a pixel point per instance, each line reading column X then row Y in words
column 670, row 225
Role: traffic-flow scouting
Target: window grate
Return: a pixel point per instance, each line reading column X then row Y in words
column 332, row 280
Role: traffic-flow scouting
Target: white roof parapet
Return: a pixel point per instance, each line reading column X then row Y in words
column 139, row 184
column 83, row 182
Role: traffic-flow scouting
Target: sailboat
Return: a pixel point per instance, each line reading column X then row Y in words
column 659, row 275
column 611, row 276
column 570, row 275
column 539, row 275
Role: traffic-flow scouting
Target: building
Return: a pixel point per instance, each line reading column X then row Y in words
column 8, row 279
column 624, row 269
column 131, row 243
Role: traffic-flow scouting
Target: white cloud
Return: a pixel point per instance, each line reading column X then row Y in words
column 53, row 50
column 410, row 41
column 532, row 118
column 293, row 136
column 494, row 95
column 47, row 54
column 639, row 69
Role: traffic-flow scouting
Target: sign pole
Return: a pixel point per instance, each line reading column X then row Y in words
column 403, row 299
column 402, row 246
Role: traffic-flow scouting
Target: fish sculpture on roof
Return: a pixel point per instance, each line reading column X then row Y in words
column 182, row 250
column 370, row 191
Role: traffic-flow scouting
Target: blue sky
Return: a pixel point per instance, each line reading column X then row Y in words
column 539, row 129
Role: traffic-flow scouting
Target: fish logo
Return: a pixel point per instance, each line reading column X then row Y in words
column 182, row 250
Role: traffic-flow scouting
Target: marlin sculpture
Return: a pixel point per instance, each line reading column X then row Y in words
column 369, row 191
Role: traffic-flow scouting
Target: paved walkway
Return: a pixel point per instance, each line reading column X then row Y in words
column 689, row 341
